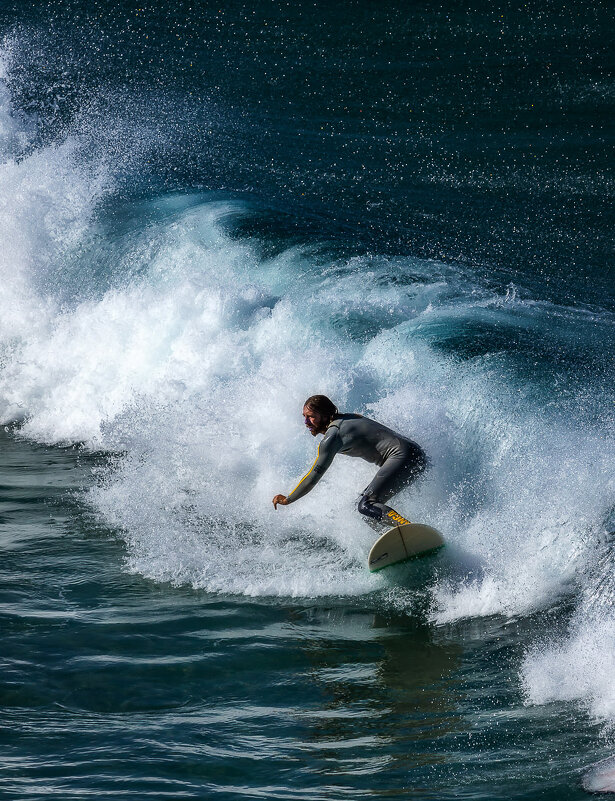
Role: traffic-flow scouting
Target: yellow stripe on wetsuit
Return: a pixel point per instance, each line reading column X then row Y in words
column 308, row 472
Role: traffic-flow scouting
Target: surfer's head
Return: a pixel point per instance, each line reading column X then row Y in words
column 318, row 412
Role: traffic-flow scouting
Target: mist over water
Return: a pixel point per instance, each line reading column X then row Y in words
column 177, row 333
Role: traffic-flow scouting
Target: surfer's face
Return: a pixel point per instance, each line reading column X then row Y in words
column 314, row 421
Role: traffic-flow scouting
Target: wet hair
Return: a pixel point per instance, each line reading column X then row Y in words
column 322, row 405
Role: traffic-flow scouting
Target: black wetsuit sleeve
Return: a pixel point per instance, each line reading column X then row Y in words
column 329, row 446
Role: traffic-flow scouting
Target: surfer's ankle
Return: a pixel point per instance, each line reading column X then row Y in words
column 366, row 507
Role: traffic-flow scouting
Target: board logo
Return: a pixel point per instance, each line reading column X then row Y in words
column 397, row 517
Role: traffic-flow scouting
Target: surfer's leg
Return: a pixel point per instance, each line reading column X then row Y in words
column 393, row 476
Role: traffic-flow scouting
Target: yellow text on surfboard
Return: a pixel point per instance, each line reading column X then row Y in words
column 397, row 518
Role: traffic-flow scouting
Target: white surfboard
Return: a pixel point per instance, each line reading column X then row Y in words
column 406, row 541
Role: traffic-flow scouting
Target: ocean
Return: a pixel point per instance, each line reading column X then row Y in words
column 209, row 212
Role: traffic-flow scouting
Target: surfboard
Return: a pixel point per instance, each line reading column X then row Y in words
column 403, row 542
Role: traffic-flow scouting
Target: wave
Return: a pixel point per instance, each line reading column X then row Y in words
column 157, row 334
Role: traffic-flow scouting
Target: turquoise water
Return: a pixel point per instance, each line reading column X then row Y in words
column 209, row 213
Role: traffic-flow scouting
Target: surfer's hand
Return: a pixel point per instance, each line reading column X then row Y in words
column 280, row 499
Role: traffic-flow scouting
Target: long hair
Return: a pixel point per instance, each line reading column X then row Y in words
column 322, row 405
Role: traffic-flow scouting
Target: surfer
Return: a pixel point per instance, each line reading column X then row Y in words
column 400, row 460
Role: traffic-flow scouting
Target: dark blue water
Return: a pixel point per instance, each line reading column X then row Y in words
column 209, row 213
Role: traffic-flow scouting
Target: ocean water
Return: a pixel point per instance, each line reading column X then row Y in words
column 210, row 212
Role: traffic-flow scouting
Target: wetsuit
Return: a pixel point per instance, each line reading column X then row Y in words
column 400, row 460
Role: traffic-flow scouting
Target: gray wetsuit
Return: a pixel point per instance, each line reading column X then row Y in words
column 400, row 459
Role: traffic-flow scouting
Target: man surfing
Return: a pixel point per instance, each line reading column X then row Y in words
column 400, row 460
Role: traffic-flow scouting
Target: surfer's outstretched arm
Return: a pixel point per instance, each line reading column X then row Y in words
column 330, row 445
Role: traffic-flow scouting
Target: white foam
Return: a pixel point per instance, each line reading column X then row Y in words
column 600, row 778
column 579, row 667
